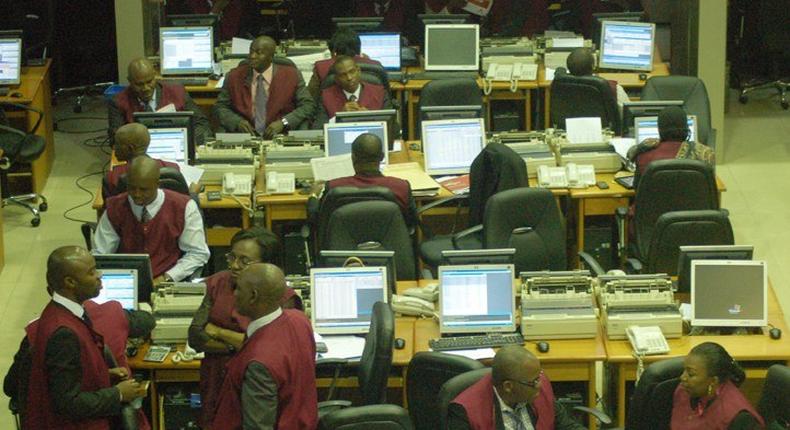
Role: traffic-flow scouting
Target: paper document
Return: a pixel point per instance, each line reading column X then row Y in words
column 306, row 62
column 568, row 42
column 220, row 83
column 191, row 174
column 478, row 7
column 622, row 145
column 169, row 108
column 474, row 354
column 240, row 46
column 549, row 74
column 397, row 145
column 584, row 130
column 412, row 172
column 344, row 346
column 328, row 168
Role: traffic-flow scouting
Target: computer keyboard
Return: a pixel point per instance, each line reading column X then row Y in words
column 476, row 342
column 187, row 81
column 432, row 76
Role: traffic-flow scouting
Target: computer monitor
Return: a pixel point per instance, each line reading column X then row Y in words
column 10, row 61
column 434, row 113
column 636, row 109
column 443, row 18
column 599, row 18
column 456, row 257
column 119, row 285
column 343, row 298
column 390, row 116
column 382, row 47
column 139, row 262
column 186, row 50
column 358, row 23
column 730, row 293
column 627, row 45
column 336, row 258
column 476, row 299
column 338, row 137
column 646, row 127
column 172, row 135
column 452, row 47
column 193, row 20
column 450, row 146
column 691, row 253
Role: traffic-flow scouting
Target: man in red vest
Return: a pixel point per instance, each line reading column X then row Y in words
column 70, row 383
column 146, row 94
column 344, row 41
column 148, row 220
column 349, row 92
column 516, row 395
column 581, row 62
column 270, row 382
column 262, row 98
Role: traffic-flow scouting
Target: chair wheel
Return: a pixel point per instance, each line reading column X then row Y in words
column 35, row 222
column 43, row 207
column 743, row 99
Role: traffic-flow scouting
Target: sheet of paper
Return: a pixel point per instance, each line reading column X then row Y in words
column 622, row 145
column 220, row 83
column 584, row 130
column 478, row 7
column 343, row 346
column 328, row 168
column 474, row 354
column 568, row 42
column 397, row 145
column 306, row 62
column 549, row 74
column 191, row 174
column 169, row 108
column 412, row 172
column 240, row 46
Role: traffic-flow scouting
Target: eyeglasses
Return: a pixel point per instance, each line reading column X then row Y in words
column 242, row 261
column 533, row 383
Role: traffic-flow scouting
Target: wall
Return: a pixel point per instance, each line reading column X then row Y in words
column 711, row 59
column 128, row 33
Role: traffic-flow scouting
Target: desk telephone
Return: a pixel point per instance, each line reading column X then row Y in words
column 417, row 301
column 280, row 183
column 647, row 340
column 238, row 185
column 510, row 69
column 570, row 176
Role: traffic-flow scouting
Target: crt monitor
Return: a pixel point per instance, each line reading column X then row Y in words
column 390, row 116
column 627, row 45
column 382, row 47
column 729, row 293
column 139, row 262
column 640, row 108
column 358, row 24
column 10, row 61
column 450, row 146
column 172, row 135
column 646, row 127
column 119, row 285
column 476, row 299
column 457, row 257
column 452, row 47
column 186, row 50
column 338, row 137
column 450, row 112
column 599, row 18
column 691, row 253
column 343, row 298
column 338, row 258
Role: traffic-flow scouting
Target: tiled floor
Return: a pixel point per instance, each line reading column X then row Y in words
column 757, row 175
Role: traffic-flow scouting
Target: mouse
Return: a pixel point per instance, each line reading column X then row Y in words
column 400, row 343
column 643, row 76
column 543, row 346
column 16, row 95
column 775, row 333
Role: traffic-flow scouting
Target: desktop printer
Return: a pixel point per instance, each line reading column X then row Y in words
column 292, row 155
column 639, row 300
column 558, row 305
column 601, row 155
column 531, row 146
column 174, row 304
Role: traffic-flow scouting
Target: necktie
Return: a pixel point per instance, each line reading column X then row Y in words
column 145, row 216
column 87, row 320
column 352, row 98
column 261, row 97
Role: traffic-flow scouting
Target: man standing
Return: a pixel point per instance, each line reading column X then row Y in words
column 349, row 92
column 270, row 382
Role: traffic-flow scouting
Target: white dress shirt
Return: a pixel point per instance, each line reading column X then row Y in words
column 73, row 307
column 192, row 240
column 262, row 321
column 355, row 93
column 514, row 419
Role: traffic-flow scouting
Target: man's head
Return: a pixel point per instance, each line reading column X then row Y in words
column 347, row 73
column 254, row 245
column 259, row 290
column 142, row 79
column 581, row 62
column 131, row 140
column 367, row 153
column 143, row 180
column 261, row 53
column 516, row 374
column 345, row 41
column 673, row 124
column 71, row 272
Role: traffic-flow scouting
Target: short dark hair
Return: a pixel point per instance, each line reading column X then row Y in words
column 719, row 363
column 345, row 41
column 367, row 148
column 342, row 59
column 268, row 243
column 673, row 124
column 581, row 62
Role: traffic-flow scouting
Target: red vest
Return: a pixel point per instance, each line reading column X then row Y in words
column 400, row 188
column 231, row 16
column 666, row 150
column 158, row 237
column 394, row 17
column 322, row 67
column 95, row 373
column 613, row 87
column 283, row 87
column 478, row 401
column 114, row 175
column 718, row 415
column 371, row 97
column 287, row 348
column 166, row 94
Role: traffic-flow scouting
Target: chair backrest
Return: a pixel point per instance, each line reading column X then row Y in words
column 774, row 403
column 497, row 168
column 681, row 228
column 350, row 227
column 692, row 91
column 170, row 178
column 651, row 404
column 455, row 386
column 341, row 196
column 448, row 92
column 379, row 417
column 528, row 220
column 21, row 146
column 376, row 360
column 371, row 73
column 426, row 374
column 583, row 96
column 668, row 186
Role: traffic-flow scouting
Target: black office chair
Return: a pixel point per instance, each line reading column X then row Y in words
column 379, row 417
column 774, row 404
column 455, row 386
column 448, row 92
column 170, row 178
column 692, row 91
column 650, row 407
column 18, row 146
column 426, row 374
column 583, row 96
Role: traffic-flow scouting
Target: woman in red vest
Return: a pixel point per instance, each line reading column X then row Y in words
column 707, row 397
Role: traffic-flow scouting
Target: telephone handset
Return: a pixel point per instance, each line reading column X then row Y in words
column 647, row 340
column 408, row 305
column 552, row 177
column 428, row 293
column 509, row 69
column 500, row 72
column 238, row 185
column 280, row 183
column 569, row 176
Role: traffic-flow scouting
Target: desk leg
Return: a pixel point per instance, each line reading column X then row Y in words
column 411, row 109
column 579, row 230
column 528, row 110
column 621, row 394
column 592, row 383
column 154, row 396
column 267, row 210
column 546, row 108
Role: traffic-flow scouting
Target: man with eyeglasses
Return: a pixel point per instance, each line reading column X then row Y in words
column 515, row 396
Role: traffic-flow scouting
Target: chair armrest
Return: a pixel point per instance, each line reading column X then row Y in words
column 29, row 109
column 441, row 202
column 329, row 406
column 591, row 263
column 328, row 362
column 463, row 233
column 632, row 265
column 598, row 414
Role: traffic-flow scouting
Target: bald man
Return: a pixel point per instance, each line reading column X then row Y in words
column 263, row 98
column 70, row 383
column 516, row 395
column 146, row 94
column 148, row 220
column 270, row 382
column 581, row 62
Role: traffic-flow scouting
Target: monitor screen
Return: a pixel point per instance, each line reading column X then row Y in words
column 337, row 258
column 452, row 47
column 690, row 253
column 382, row 47
column 390, row 116
column 168, row 144
column 627, row 45
column 599, row 18
column 139, row 262
column 450, row 146
column 10, row 61
column 343, row 298
column 646, row 127
column 476, row 299
column 730, row 293
column 186, row 50
column 172, row 134
column 636, row 109
column 450, row 112
column 338, row 137
column 457, row 257
column 119, row 285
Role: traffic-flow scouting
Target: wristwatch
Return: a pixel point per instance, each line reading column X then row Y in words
column 284, row 121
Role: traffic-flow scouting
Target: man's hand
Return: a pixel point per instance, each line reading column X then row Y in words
column 317, row 187
column 118, row 374
column 246, row 127
column 353, row 106
column 130, row 390
column 275, row 127
column 212, row 330
column 194, row 188
column 161, row 278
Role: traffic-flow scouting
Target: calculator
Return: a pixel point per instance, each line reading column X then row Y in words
column 157, row 353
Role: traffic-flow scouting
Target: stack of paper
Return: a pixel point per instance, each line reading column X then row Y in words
column 421, row 183
column 455, row 184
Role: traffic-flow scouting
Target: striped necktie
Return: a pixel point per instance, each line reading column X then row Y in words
column 261, row 97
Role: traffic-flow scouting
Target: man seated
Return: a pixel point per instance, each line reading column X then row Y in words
column 262, row 98
column 349, row 92
column 146, row 94
column 344, row 41
column 581, row 62
column 147, row 220
column 516, row 395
